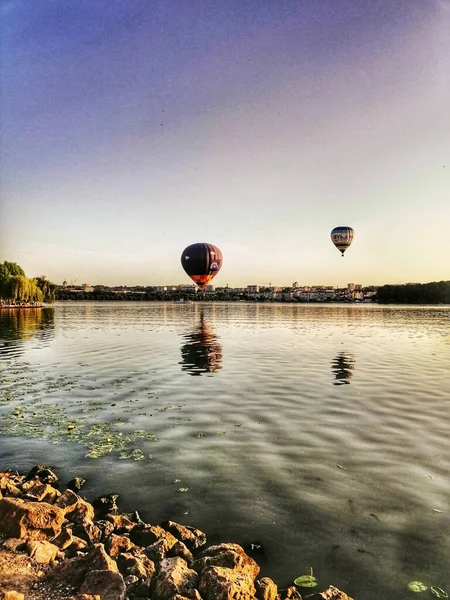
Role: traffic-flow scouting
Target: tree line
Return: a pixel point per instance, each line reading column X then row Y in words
column 17, row 288
column 436, row 292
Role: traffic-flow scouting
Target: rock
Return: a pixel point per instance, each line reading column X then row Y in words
column 220, row 583
column 144, row 535
column 75, row 507
column 266, row 589
column 115, row 544
column 157, row 551
column 290, row 593
column 174, row 577
column 9, row 488
column 76, row 484
column 14, row 544
column 11, row 595
column 139, row 565
column 107, row 504
column 45, row 474
column 88, row 531
column 85, row 597
column 193, row 595
column 179, row 549
column 106, row 584
column 42, row 551
column 78, row 544
column 231, row 556
column 121, row 523
column 64, row 539
column 74, row 570
column 33, row 520
column 191, row 537
column 35, row 489
column 106, row 528
column 331, row 593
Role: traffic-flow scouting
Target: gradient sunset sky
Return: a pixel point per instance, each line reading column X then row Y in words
column 133, row 128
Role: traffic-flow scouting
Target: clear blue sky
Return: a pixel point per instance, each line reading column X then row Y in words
column 133, row 128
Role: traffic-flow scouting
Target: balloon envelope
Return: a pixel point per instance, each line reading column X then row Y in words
column 342, row 237
column 201, row 262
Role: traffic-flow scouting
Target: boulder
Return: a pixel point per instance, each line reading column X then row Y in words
column 76, row 509
column 74, row 570
column 14, row 544
column 106, row 584
column 11, row 595
column 107, row 504
column 42, row 551
column 8, row 487
column 290, row 593
column 115, row 544
column 35, row 489
column 32, row 520
column 174, row 577
column 191, row 537
column 76, row 484
column 331, row 593
column 88, row 531
column 231, row 556
column 106, row 527
column 220, row 583
column 144, row 535
column 179, row 549
column 64, row 539
column 139, row 565
column 157, row 551
column 266, row 589
column 122, row 524
column 45, row 474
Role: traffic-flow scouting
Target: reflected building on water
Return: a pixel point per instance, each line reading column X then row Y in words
column 342, row 368
column 201, row 352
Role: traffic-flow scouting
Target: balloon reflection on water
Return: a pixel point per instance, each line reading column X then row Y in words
column 342, row 367
column 201, row 352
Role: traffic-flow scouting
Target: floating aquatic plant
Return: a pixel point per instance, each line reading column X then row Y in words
column 416, row 586
column 438, row 592
column 306, row 581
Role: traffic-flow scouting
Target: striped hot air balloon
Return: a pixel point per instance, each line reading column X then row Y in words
column 342, row 237
column 201, row 262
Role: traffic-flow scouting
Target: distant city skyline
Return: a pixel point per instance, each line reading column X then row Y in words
column 131, row 130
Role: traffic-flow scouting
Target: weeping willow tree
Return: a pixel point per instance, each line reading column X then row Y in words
column 16, row 287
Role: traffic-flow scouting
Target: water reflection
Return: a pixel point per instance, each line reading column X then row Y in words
column 342, row 367
column 201, row 352
column 24, row 324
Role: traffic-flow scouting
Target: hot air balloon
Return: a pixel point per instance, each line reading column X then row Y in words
column 201, row 262
column 342, row 237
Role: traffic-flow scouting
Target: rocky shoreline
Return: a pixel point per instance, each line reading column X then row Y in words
column 55, row 545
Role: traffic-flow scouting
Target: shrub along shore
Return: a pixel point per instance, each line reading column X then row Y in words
column 55, row 545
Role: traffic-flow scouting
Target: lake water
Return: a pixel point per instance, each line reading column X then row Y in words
column 319, row 432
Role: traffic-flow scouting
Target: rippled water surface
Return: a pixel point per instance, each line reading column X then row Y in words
column 319, row 432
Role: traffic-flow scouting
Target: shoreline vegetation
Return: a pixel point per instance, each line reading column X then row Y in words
column 17, row 290
column 409, row 293
column 55, row 545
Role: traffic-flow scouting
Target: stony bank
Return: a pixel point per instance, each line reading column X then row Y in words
column 55, row 545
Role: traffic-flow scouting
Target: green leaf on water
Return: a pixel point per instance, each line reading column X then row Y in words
column 306, row 581
column 438, row 592
column 416, row 586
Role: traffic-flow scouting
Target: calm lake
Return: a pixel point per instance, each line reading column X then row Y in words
column 320, row 433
